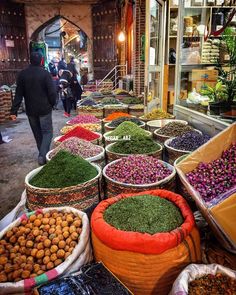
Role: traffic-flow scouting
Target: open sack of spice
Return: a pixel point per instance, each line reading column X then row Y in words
column 44, row 244
column 207, row 279
column 84, row 119
column 209, row 175
column 146, row 239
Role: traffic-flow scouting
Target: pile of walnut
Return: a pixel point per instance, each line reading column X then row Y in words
column 38, row 244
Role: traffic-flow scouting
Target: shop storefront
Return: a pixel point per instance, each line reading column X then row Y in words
column 205, row 64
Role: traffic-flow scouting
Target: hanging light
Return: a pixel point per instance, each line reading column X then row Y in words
column 121, row 36
column 78, row 39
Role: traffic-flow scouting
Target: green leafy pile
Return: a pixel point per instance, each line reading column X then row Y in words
column 64, row 170
column 137, row 145
column 144, row 214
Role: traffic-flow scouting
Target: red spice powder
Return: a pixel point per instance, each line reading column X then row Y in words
column 80, row 132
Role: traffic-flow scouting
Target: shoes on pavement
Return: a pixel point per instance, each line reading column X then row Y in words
column 41, row 160
column 66, row 115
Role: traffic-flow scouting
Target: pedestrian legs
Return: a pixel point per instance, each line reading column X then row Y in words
column 36, row 129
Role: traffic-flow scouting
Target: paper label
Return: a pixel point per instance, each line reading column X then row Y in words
column 10, row 43
column 219, row 2
column 219, row 27
column 189, row 29
column 175, row 28
column 187, row 3
column 226, row 57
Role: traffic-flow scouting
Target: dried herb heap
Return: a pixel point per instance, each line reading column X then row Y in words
column 137, row 145
column 132, row 100
column 64, row 170
column 215, row 178
column 157, row 114
column 78, row 147
column 117, row 122
column 174, row 129
column 110, row 100
column 128, row 129
column 144, row 214
column 138, row 170
column 218, row 284
column 189, row 141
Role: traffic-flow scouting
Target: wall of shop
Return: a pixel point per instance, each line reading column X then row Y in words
column 139, row 31
column 13, row 42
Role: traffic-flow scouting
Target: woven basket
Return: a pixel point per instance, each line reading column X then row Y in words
column 156, row 124
column 96, row 111
column 146, row 264
column 107, row 140
column 115, row 108
column 111, row 156
column 108, row 128
column 113, row 187
column 95, row 141
column 134, row 111
column 82, row 196
column 171, row 153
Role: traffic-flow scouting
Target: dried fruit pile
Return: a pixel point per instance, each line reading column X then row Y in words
column 38, row 244
column 213, row 285
column 137, row 169
column 144, row 214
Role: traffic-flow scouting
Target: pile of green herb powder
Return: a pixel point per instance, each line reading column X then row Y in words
column 64, row 170
column 128, row 129
column 137, row 145
column 144, row 214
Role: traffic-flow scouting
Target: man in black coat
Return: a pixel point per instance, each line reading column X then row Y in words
column 36, row 86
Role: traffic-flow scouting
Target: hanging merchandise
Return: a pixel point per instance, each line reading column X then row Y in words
column 42, row 48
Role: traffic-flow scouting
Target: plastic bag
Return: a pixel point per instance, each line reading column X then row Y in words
column 193, row 271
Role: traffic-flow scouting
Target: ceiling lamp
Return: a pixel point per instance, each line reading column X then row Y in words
column 121, row 36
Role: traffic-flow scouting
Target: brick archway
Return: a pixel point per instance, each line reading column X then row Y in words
column 38, row 17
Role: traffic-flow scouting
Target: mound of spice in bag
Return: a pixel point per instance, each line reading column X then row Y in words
column 218, row 284
column 144, row 214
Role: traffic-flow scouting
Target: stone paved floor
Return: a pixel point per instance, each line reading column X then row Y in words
column 19, row 157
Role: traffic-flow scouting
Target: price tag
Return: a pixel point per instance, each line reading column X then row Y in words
column 175, row 28
column 189, row 29
column 226, row 57
column 219, row 27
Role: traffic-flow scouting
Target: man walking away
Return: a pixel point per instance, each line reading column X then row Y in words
column 36, row 86
column 75, row 86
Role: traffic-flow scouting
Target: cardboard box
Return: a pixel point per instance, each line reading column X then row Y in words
column 201, row 85
column 207, row 153
column 204, row 75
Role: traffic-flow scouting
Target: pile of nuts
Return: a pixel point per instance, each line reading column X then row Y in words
column 38, row 244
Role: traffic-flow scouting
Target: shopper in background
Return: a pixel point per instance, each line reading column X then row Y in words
column 84, row 79
column 36, row 86
column 61, row 65
column 65, row 92
column 75, row 86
